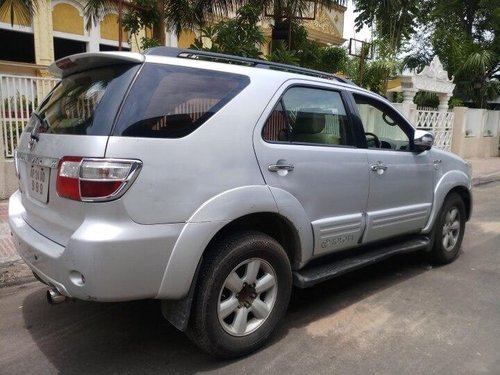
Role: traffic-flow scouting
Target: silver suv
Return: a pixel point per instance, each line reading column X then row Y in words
column 216, row 183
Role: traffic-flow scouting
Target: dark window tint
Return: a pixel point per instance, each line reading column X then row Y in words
column 86, row 103
column 309, row 115
column 171, row 102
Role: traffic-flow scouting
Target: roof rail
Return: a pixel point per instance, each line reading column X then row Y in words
column 256, row 63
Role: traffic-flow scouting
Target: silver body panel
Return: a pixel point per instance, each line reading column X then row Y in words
column 148, row 243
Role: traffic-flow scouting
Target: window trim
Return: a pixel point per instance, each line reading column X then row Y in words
column 348, row 110
column 403, row 124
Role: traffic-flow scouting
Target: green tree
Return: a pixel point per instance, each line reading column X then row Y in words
column 465, row 35
column 239, row 36
column 174, row 15
column 394, row 21
column 308, row 53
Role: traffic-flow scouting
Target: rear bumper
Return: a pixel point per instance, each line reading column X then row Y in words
column 119, row 261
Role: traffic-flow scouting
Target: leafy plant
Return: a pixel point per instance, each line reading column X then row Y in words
column 239, row 36
column 281, row 54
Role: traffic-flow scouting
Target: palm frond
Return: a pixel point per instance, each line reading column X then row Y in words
column 95, row 9
column 22, row 10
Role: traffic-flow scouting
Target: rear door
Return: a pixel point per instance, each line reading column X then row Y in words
column 305, row 145
column 74, row 120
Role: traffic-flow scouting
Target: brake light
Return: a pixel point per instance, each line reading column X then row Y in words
column 95, row 180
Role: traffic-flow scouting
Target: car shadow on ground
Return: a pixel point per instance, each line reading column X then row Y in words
column 133, row 337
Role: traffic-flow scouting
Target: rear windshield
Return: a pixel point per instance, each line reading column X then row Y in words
column 86, row 103
column 171, row 102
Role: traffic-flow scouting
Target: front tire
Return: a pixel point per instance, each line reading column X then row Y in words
column 449, row 230
column 243, row 291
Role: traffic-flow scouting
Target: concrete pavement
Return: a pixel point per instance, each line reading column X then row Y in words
column 398, row 317
column 483, row 171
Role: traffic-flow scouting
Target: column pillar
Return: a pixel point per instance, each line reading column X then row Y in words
column 443, row 102
column 408, row 96
column 95, row 37
column 43, row 35
column 408, row 107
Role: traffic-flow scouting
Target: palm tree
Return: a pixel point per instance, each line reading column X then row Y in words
column 393, row 20
column 295, row 10
column 177, row 15
column 479, row 75
column 174, row 15
column 23, row 10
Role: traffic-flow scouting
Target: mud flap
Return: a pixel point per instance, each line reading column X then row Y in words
column 177, row 312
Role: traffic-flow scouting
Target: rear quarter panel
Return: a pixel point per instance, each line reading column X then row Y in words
column 179, row 175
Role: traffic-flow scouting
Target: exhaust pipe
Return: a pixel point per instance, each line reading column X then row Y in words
column 54, row 297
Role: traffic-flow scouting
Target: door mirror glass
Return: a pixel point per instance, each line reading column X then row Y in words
column 423, row 140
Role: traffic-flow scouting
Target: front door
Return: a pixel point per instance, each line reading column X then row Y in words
column 305, row 147
column 401, row 180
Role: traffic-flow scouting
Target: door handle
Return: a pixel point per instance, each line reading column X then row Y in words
column 280, row 167
column 378, row 167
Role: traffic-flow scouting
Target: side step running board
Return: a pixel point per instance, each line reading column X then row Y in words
column 315, row 274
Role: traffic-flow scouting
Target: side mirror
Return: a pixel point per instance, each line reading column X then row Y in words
column 423, row 140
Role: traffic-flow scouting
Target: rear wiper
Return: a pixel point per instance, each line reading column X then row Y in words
column 42, row 125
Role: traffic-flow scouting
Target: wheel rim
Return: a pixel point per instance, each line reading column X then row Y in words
column 247, row 297
column 451, row 229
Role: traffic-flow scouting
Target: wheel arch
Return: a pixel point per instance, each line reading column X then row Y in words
column 249, row 207
column 451, row 182
column 271, row 223
column 178, row 311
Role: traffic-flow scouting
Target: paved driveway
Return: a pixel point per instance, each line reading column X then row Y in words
column 400, row 316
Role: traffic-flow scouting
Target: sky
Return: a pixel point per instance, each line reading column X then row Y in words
column 349, row 32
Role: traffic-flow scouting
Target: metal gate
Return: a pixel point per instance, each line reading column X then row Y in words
column 438, row 122
column 19, row 96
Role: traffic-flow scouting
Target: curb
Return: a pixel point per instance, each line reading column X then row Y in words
column 481, row 180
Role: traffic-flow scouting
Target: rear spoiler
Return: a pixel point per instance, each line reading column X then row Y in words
column 84, row 61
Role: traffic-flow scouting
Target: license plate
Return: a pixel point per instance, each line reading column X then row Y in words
column 39, row 183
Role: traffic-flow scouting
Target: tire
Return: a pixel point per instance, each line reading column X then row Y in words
column 449, row 230
column 243, row 291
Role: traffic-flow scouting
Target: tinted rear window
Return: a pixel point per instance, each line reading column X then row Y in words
column 171, row 102
column 86, row 103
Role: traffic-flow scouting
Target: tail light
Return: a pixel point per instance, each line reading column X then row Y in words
column 95, row 180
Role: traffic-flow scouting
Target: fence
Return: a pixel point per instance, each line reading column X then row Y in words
column 440, row 123
column 19, row 96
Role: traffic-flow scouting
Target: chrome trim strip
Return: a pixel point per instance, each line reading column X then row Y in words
column 34, row 159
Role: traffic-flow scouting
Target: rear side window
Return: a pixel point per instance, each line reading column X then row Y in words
column 309, row 115
column 85, row 103
column 171, row 102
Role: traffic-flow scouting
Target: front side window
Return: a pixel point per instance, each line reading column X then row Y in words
column 383, row 130
column 309, row 115
column 171, row 102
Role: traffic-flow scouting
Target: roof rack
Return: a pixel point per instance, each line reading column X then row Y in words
column 256, row 63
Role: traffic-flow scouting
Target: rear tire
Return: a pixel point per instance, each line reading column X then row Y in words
column 243, row 291
column 449, row 230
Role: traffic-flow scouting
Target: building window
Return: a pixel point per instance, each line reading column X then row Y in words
column 64, row 47
column 10, row 42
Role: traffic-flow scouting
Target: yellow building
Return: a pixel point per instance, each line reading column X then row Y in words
column 58, row 30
